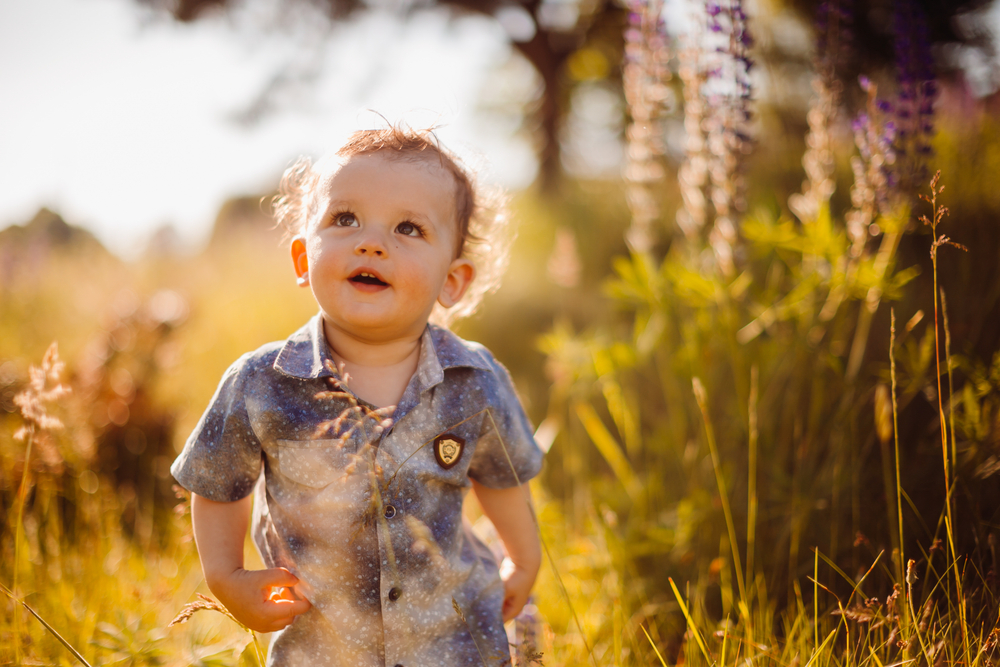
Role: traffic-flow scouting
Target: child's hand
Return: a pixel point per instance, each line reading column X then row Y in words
column 219, row 530
column 517, row 583
column 248, row 595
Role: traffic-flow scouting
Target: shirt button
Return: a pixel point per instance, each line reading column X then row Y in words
column 394, row 593
column 390, row 511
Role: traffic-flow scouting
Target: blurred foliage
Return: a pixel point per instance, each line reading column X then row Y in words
column 565, row 42
column 793, row 352
column 573, row 43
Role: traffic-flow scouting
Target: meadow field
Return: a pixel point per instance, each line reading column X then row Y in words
column 768, row 381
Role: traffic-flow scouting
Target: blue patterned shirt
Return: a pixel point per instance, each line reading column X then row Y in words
column 364, row 507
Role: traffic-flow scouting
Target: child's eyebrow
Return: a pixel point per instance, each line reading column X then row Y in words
column 414, row 216
column 337, row 203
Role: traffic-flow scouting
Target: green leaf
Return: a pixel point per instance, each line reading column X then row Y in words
column 248, row 657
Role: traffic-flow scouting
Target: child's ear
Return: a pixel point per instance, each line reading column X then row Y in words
column 460, row 276
column 300, row 260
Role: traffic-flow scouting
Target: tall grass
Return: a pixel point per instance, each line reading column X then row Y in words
column 806, row 370
column 744, row 386
column 96, row 552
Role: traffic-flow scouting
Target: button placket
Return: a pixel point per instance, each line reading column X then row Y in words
column 392, row 586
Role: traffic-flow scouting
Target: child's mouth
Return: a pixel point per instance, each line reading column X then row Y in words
column 368, row 279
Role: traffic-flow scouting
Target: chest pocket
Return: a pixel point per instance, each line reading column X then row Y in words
column 449, row 450
column 313, row 463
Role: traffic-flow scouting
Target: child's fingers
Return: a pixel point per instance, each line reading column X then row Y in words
column 276, row 624
column 281, row 604
column 513, row 602
column 517, row 587
column 282, row 593
column 273, row 616
column 277, row 615
column 276, row 584
column 285, row 613
column 291, row 607
column 277, row 577
column 512, row 606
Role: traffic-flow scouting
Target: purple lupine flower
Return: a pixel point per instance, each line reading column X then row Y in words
column 833, row 31
column 728, row 91
column 822, row 26
column 832, row 17
column 877, row 138
column 917, row 92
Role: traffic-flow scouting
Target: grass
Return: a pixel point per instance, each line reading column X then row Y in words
column 936, row 608
column 580, row 595
column 688, row 533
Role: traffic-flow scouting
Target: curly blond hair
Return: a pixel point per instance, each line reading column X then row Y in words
column 484, row 236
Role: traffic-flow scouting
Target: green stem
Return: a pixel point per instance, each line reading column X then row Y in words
column 751, row 490
column 895, row 433
column 702, row 399
column 21, row 495
column 951, row 384
column 257, row 649
column 949, row 523
column 52, row 631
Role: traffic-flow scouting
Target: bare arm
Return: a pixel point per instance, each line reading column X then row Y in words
column 219, row 531
column 511, row 513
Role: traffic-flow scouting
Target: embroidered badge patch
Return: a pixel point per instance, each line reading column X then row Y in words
column 448, row 450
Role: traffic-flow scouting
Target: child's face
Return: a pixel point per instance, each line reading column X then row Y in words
column 381, row 250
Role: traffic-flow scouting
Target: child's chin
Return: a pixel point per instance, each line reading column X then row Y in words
column 369, row 323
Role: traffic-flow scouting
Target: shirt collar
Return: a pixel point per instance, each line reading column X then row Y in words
column 306, row 355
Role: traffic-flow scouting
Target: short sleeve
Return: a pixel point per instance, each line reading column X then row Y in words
column 506, row 454
column 221, row 460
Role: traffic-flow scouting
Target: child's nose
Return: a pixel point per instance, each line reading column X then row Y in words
column 371, row 244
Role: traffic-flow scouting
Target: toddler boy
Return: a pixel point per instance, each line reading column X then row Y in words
column 369, row 425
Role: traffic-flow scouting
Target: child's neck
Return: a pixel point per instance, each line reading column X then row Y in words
column 378, row 372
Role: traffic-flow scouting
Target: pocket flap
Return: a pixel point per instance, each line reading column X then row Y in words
column 313, row 463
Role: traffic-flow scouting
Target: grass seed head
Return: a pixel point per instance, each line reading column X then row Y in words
column 205, row 603
column 44, row 386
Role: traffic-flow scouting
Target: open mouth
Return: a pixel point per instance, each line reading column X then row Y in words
column 366, row 278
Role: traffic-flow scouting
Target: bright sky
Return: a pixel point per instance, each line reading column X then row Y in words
column 123, row 121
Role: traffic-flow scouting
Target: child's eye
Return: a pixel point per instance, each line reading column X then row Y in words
column 345, row 220
column 409, row 228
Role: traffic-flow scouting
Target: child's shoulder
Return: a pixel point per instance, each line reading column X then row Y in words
column 455, row 351
column 264, row 356
column 297, row 355
column 255, row 362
